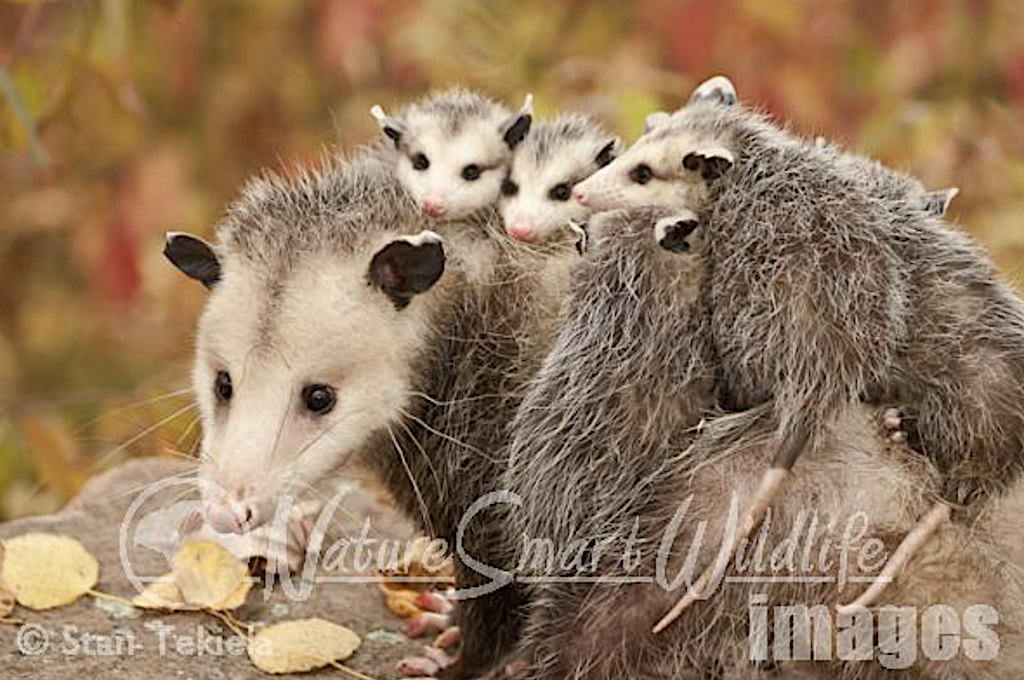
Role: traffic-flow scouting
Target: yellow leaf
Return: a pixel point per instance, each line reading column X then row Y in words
column 303, row 645
column 209, row 576
column 161, row 594
column 47, row 570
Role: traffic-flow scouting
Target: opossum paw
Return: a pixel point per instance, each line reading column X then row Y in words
column 436, row 617
column 429, row 665
column 280, row 555
column 892, row 426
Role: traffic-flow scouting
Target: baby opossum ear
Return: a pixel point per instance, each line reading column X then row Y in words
column 655, row 119
column 671, row 232
column 408, row 266
column 717, row 90
column 193, row 256
column 936, row 203
column 607, row 153
column 515, row 129
column 711, row 162
column 391, row 126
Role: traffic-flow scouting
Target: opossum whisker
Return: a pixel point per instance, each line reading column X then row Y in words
column 412, row 480
column 449, row 438
column 155, row 426
column 138, row 404
column 426, row 456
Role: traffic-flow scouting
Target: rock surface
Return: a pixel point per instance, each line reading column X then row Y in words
column 96, row 638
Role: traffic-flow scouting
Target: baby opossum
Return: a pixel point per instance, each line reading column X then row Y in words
column 536, row 199
column 824, row 294
column 339, row 331
column 453, row 149
column 609, row 446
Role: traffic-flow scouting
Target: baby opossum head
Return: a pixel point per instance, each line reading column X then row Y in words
column 672, row 164
column 307, row 347
column 454, row 149
column 536, row 198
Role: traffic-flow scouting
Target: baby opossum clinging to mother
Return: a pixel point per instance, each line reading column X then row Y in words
column 459, row 153
column 338, row 331
column 610, row 445
column 826, row 291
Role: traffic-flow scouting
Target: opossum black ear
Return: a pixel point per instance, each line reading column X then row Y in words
column 607, row 153
column 408, row 266
column 515, row 129
column 389, row 125
column 711, row 163
column 717, row 90
column 937, row 202
column 671, row 232
column 194, row 257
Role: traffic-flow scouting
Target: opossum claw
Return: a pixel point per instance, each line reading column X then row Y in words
column 771, row 483
column 911, row 543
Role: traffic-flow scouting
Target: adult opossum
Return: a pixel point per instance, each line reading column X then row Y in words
column 610, row 448
column 338, row 331
column 826, row 291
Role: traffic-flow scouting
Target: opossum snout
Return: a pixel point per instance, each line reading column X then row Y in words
column 433, row 206
column 522, row 231
column 581, row 195
column 230, row 516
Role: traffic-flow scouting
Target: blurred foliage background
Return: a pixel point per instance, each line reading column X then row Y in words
column 121, row 120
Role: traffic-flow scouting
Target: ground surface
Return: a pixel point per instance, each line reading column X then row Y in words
column 92, row 639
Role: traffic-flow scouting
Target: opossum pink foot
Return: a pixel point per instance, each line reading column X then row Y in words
column 427, row 622
column 449, row 638
column 892, row 423
column 433, row 601
column 426, row 666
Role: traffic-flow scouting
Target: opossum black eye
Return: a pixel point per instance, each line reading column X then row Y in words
column 319, row 399
column 420, row 162
column 509, row 188
column 560, row 192
column 222, row 387
column 471, row 172
column 641, row 174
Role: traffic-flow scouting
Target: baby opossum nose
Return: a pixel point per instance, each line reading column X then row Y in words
column 231, row 516
column 521, row 232
column 433, row 207
column 580, row 195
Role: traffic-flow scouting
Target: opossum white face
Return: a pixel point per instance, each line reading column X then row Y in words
column 294, row 376
column 536, row 203
column 453, row 170
column 658, row 170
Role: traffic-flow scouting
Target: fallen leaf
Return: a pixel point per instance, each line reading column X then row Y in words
column 402, row 604
column 209, row 576
column 47, row 570
column 300, row 646
column 6, row 602
column 161, row 594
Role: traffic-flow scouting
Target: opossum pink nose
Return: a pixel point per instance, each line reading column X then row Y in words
column 230, row 517
column 521, row 232
column 580, row 195
column 433, row 207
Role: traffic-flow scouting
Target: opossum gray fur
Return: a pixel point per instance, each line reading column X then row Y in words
column 329, row 279
column 824, row 293
column 536, row 202
column 611, row 432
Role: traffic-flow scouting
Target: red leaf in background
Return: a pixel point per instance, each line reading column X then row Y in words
column 691, row 33
column 1014, row 74
column 346, row 37
column 116, row 274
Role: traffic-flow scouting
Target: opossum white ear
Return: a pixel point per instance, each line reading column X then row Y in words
column 711, row 163
column 654, row 120
column 672, row 232
column 937, row 202
column 193, row 256
column 407, row 266
column 515, row 129
column 389, row 125
column 608, row 152
column 717, row 90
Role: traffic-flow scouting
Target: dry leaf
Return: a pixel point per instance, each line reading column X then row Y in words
column 402, row 604
column 161, row 594
column 47, row 570
column 6, row 602
column 209, row 576
column 299, row 646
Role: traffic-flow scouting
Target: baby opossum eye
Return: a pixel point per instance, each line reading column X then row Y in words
column 319, row 398
column 641, row 174
column 471, row 172
column 420, row 162
column 222, row 387
column 509, row 188
column 560, row 192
